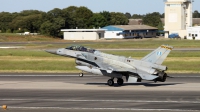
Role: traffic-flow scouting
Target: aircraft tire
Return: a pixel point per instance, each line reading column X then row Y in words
column 139, row 80
column 164, row 77
column 120, row 81
column 81, row 75
column 110, row 82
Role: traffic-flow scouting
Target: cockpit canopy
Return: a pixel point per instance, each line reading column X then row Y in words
column 80, row 48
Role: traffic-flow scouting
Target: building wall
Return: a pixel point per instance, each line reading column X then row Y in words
column 173, row 18
column 150, row 34
column 82, row 35
column 113, row 35
column 182, row 33
column 122, row 35
column 193, row 32
column 178, row 16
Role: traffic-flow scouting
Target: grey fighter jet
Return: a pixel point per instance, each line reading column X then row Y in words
column 96, row 62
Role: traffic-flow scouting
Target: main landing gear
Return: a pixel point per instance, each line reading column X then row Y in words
column 110, row 82
column 120, row 81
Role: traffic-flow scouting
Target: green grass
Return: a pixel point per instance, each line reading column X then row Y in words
column 144, row 53
column 9, row 34
column 34, row 58
column 42, row 53
column 14, row 37
column 123, row 43
column 38, row 65
column 182, row 66
column 25, row 52
column 137, row 44
column 63, row 64
column 147, row 43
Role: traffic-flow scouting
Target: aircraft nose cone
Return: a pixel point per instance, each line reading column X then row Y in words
column 52, row 51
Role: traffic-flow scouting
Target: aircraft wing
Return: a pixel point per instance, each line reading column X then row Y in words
column 117, row 68
column 112, row 68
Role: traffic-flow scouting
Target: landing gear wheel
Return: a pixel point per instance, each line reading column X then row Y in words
column 164, row 77
column 120, row 81
column 81, row 75
column 139, row 80
column 110, row 82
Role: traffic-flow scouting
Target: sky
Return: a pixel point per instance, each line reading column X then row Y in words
column 131, row 6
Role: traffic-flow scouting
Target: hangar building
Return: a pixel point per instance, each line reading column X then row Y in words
column 83, row 34
column 129, row 31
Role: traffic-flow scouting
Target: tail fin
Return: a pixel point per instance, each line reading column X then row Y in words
column 158, row 55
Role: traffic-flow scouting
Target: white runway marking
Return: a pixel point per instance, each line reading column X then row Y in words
column 11, row 47
column 133, row 109
column 127, row 101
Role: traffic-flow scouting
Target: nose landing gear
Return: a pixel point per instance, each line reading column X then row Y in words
column 81, row 75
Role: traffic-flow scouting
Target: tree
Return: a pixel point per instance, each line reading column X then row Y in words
column 137, row 16
column 152, row 19
column 5, row 19
column 97, row 20
column 32, row 22
column 83, row 15
column 27, row 20
column 52, row 27
column 107, row 16
column 16, row 24
column 128, row 15
column 160, row 26
column 55, row 13
column 29, row 12
column 196, row 14
column 54, row 20
column 69, row 16
column 162, row 15
column 118, row 19
column 46, row 27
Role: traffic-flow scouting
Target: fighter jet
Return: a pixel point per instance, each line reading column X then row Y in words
column 96, row 62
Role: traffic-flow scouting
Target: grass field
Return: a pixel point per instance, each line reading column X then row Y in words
column 123, row 43
column 42, row 53
column 20, row 60
column 13, row 37
column 33, row 58
column 132, row 43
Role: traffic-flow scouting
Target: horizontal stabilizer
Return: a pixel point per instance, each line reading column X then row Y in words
column 146, row 76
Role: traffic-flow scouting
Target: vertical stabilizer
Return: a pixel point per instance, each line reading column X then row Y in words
column 158, row 55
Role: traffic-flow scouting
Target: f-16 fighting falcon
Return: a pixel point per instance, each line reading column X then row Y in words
column 96, row 62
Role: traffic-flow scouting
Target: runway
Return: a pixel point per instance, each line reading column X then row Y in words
column 68, row 92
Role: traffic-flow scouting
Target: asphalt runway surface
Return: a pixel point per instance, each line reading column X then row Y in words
column 71, row 93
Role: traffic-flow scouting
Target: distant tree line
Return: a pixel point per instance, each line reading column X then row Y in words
column 196, row 14
column 50, row 23
column 139, row 16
